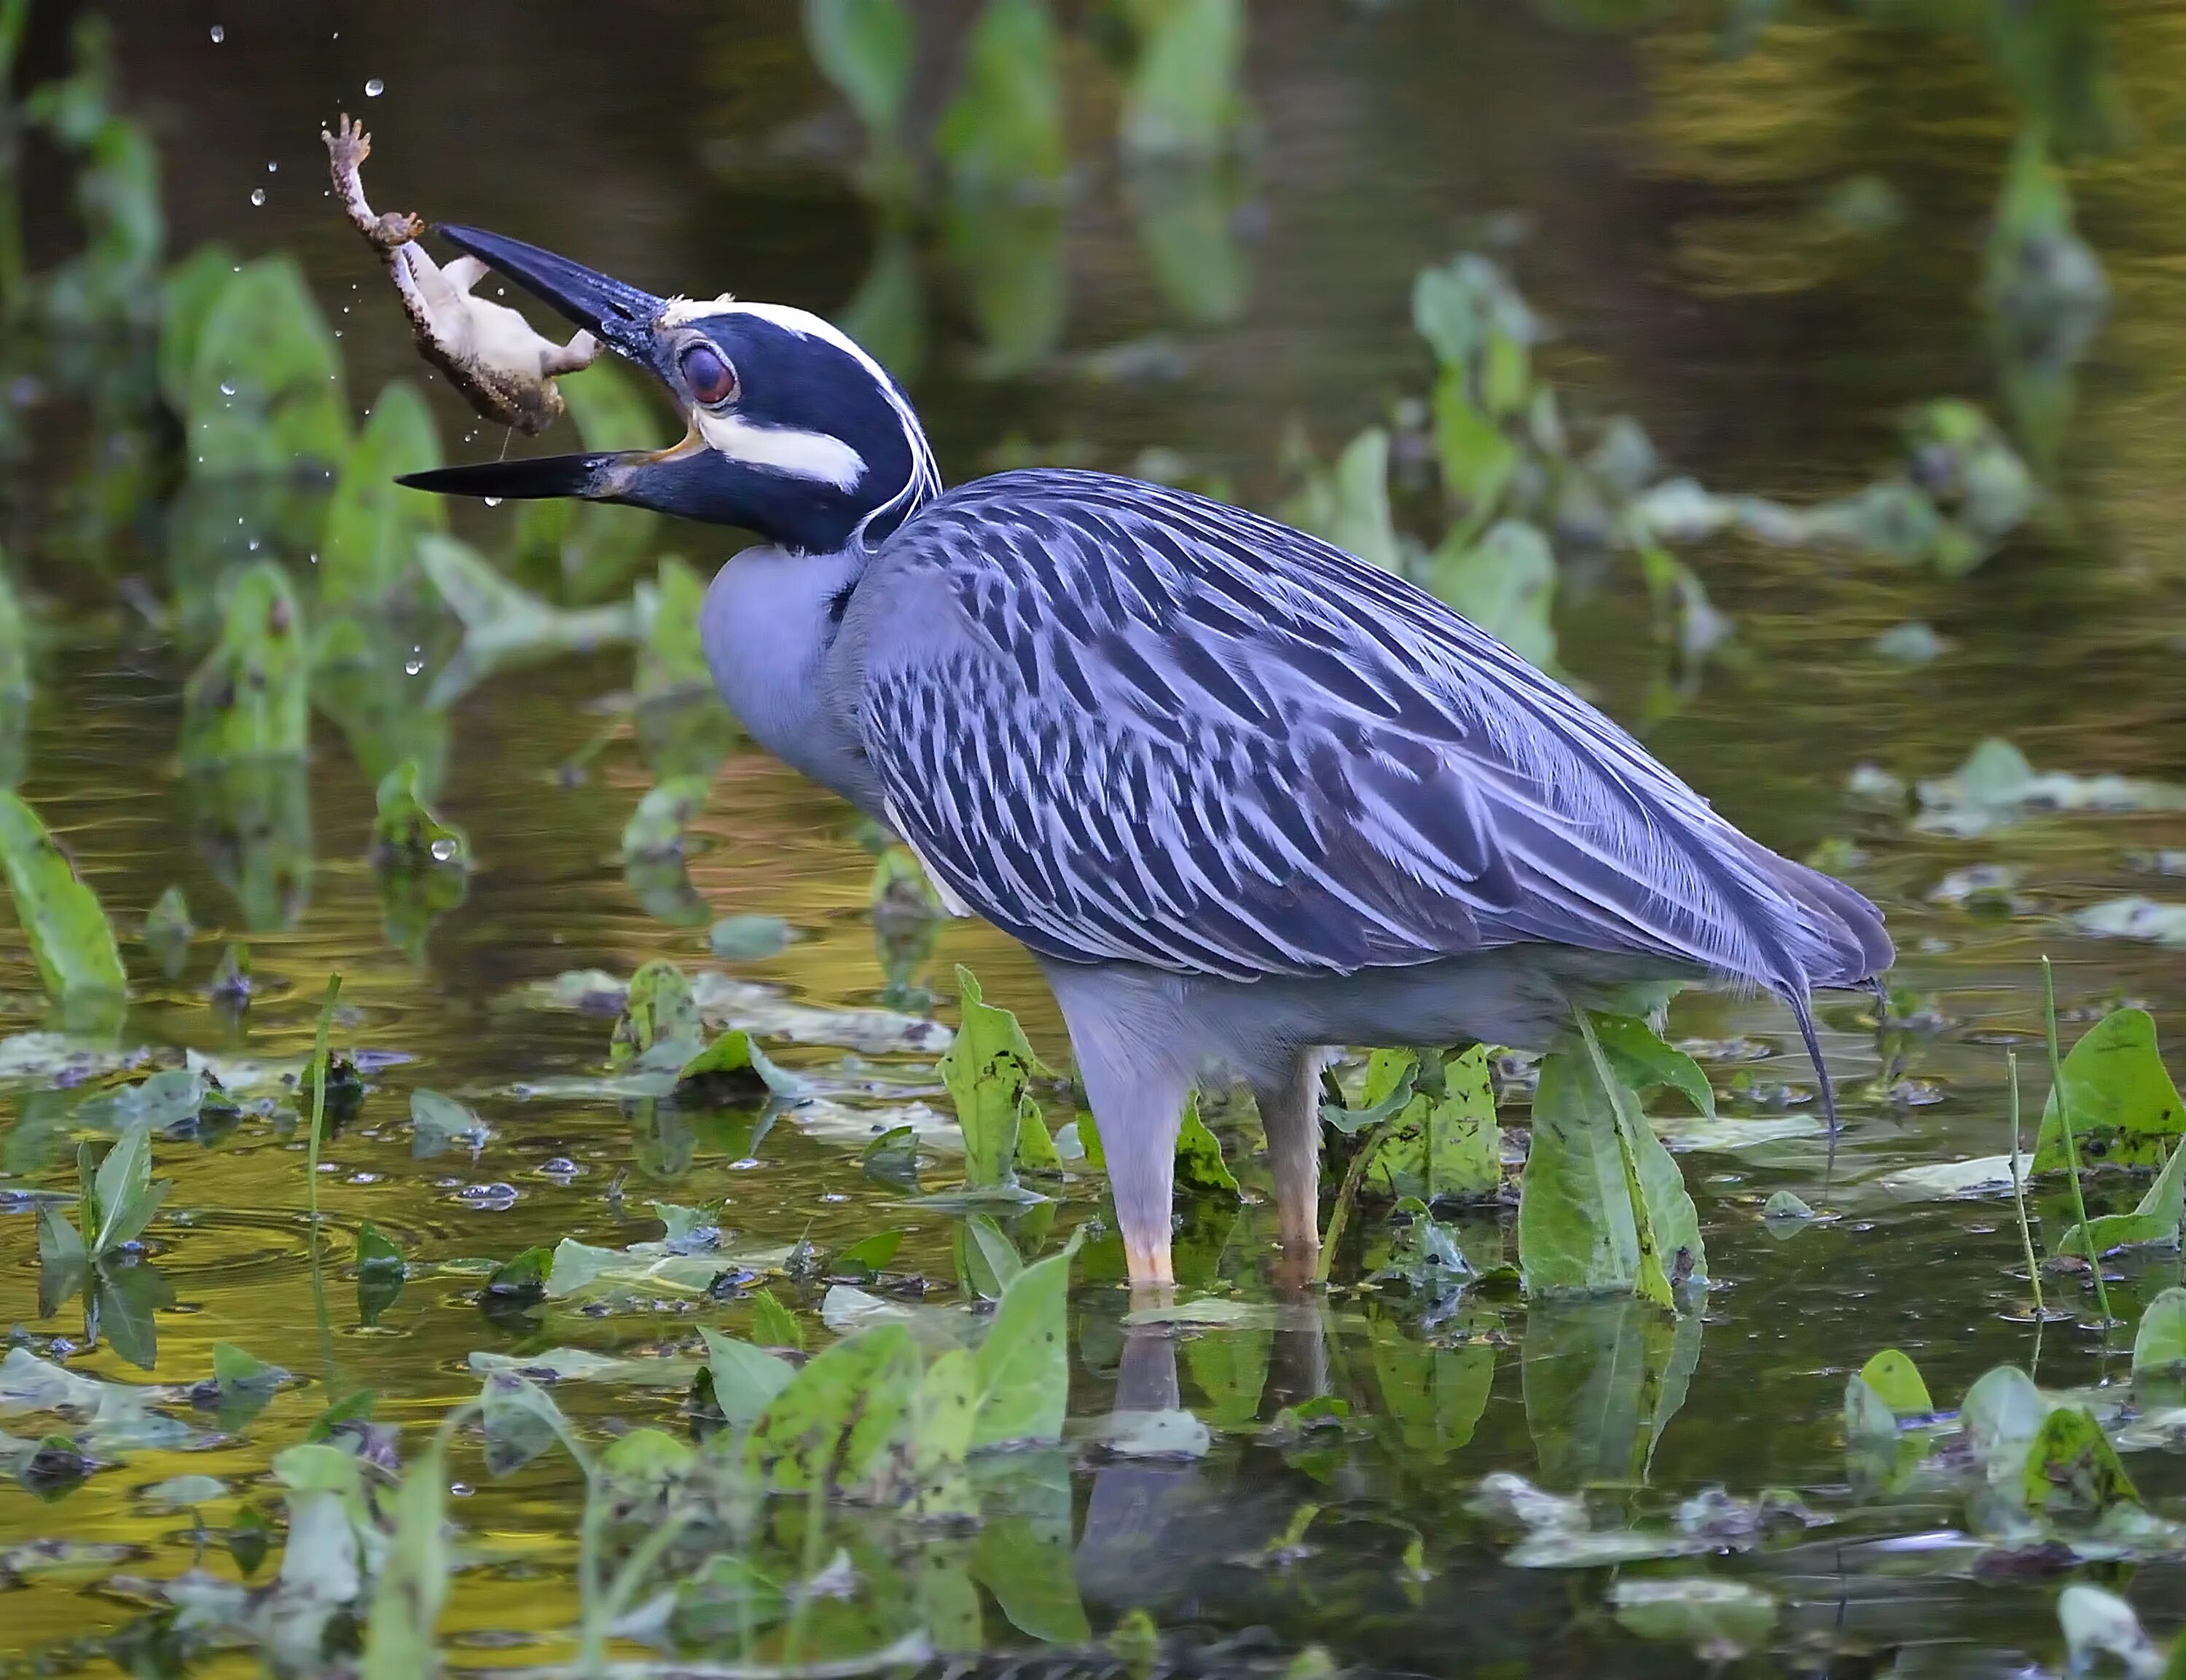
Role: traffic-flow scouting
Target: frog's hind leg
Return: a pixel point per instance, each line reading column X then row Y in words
column 582, row 351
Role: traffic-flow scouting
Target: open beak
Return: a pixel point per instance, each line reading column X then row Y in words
column 622, row 317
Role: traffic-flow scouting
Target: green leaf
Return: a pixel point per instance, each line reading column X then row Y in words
column 2156, row 1219
column 125, row 1299
column 746, row 1379
column 266, row 389
column 1199, row 1163
column 167, row 930
column 373, row 523
column 1182, row 101
column 521, row 1421
column 1036, row 1151
column 671, row 661
column 2160, row 1343
column 992, row 1259
column 833, row 1423
column 1505, row 583
column 659, row 1010
column 2125, row 1111
column 187, row 295
column 250, row 698
column 407, row 836
column 773, row 1325
column 233, row 1368
column 505, row 625
column 1006, row 124
column 591, row 547
column 125, row 1194
column 375, row 1251
column 400, row 1629
column 1896, row 1380
column 1644, row 1063
column 2073, row 1469
column 1785, row 1205
column 439, row 1122
column 866, row 49
column 986, row 1069
column 1432, row 1398
column 1023, row 1364
column 524, row 1274
column 59, row 1243
column 1477, row 461
column 1602, row 1380
column 869, row 1254
column 748, row 938
column 734, row 1068
column 1443, row 1146
column 70, row 938
column 656, row 829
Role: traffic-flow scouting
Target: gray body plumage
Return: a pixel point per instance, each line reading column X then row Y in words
column 1246, row 795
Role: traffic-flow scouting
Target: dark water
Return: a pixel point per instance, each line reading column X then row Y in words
column 644, row 138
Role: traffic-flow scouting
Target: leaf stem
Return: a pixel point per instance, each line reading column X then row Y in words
column 2072, row 1150
column 1347, row 1194
column 319, row 1093
column 2019, row 1189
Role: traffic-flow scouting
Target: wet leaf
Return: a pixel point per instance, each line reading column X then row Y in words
column 986, row 1069
column 1171, row 1433
column 520, row 1421
column 746, row 1379
column 2134, row 918
column 1023, row 1364
column 658, row 1009
column 987, row 1259
column 184, row 1492
column 373, row 523
column 1896, row 1381
column 1784, row 1206
column 749, row 939
column 1199, row 1163
column 2155, row 1220
column 582, row 1365
column 523, row 1275
column 2160, row 1343
column 831, row 1424
column 407, row 836
column 1444, row 1143
column 733, row 1068
column 188, row 293
column 773, row 1325
column 375, row 1251
column 125, row 1299
column 1720, row 1620
column 250, row 698
column 124, row 1195
column 1997, row 787
column 1432, row 1398
column 2072, row 1471
column 2125, row 1111
column 1645, row 1063
column 869, row 1255
column 70, row 938
column 439, row 1124
column 2002, row 1414
column 644, row 1268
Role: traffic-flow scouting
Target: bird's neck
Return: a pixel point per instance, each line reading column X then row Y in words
column 769, row 628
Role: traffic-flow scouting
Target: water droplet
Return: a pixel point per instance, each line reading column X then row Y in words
column 226, row 389
column 219, row 35
column 415, row 662
column 444, row 851
column 273, row 167
column 258, row 195
column 375, row 88
column 253, row 545
column 492, row 501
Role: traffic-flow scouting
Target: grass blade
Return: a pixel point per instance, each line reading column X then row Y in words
column 2019, row 1189
column 2072, row 1150
column 319, row 1088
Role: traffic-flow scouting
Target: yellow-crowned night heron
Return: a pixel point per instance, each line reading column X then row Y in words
column 1244, row 796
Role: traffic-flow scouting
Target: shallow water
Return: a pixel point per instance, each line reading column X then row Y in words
column 1389, row 133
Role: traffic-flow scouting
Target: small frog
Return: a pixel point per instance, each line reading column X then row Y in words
column 489, row 353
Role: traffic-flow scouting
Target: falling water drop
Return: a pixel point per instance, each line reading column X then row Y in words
column 415, row 662
column 226, row 389
column 258, row 195
column 272, row 166
column 375, row 88
column 219, row 35
column 492, row 501
column 444, row 851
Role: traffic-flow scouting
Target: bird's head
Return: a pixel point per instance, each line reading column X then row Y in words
column 794, row 431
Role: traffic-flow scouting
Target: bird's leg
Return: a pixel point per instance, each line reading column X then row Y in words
column 1290, row 1115
column 1139, row 1106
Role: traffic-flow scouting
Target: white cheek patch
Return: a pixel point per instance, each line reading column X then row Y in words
column 800, row 455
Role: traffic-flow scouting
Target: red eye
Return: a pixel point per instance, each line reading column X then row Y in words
column 711, row 379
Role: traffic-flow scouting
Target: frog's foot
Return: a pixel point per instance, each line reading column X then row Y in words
column 347, row 148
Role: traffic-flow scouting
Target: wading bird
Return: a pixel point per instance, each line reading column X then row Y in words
column 1244, row 796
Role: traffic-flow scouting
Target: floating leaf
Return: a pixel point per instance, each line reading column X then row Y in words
column 2125, row 1111
column 2097, row 1624
column 376, row 1251
column 749, row 939
column 1784, row 1206
column 251, row 697
column 70, row 938
column 869, row 1255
